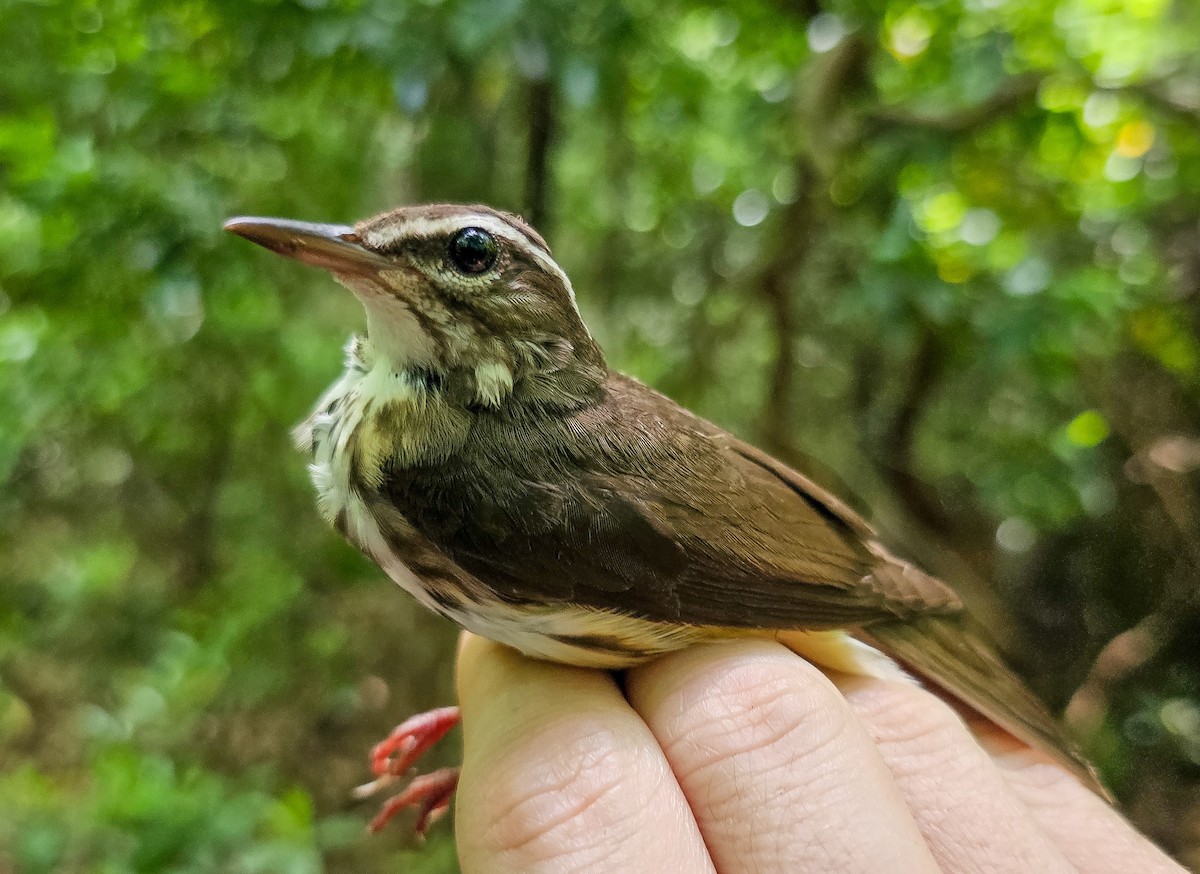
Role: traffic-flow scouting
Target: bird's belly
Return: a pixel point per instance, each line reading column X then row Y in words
column 327, row 433
column 563, row 633
column 575, row 635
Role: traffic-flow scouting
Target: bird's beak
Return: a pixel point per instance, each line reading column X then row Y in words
column 335, row 248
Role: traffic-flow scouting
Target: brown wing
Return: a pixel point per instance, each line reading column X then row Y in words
column 636, row 505
column 901, row 582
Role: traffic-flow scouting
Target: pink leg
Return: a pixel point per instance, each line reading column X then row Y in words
column 429, row 793
column 408, row 741
column 395, row 756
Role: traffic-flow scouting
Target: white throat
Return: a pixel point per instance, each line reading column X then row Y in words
column 396, row 335
column 393, row 332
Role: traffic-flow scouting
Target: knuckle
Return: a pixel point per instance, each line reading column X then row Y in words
column 918, row 731
column 1043, row 783
column 758, row 714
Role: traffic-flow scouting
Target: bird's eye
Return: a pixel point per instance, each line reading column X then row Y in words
column 473, row 250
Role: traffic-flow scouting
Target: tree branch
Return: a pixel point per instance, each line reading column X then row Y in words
column 824, row 97
column 1012, row 95
column 1007, row 98
column 774, row 287
column 1157, row 95
column 928, row 365
column 543, row 122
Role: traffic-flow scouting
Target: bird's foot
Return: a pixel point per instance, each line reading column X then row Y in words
column 429, row 793
column 392, row 759
column 409, row 740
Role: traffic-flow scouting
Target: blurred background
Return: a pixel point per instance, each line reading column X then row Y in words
column 942, row 254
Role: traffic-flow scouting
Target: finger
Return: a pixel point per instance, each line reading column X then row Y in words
column 1092, row 835
column 559, row 774
column 779, row 774
column 968, row 815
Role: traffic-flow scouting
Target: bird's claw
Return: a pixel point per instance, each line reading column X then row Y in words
column 394, row 757
column 429, row 793
column 399, row 751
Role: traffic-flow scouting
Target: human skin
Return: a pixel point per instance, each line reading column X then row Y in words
column 742, row 757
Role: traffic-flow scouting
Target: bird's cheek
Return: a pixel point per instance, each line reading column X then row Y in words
column 366, row 287
column 375, row 284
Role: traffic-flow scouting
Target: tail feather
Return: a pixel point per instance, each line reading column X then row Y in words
column 947, row 652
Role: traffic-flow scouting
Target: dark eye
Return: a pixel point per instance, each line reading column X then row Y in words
column 473, row 250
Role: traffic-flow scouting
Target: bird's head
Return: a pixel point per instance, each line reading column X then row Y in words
column 468, row 294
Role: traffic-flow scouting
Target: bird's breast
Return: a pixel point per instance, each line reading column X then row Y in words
column 364, row 427
column 351, row 434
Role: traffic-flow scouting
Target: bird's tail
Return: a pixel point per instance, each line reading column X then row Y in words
column 950, row 653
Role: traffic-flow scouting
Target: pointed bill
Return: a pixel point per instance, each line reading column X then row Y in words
column 335, row 248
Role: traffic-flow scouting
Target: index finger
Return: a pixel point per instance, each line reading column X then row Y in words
column 559, row 774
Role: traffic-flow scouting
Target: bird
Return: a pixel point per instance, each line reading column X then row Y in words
column 480, row 450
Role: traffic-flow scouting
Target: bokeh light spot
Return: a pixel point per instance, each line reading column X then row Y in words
column 750, row 208
column 1014, row 534
column 825, row 31
column 910, row 33
column 1087, row 429
column 1135, row 139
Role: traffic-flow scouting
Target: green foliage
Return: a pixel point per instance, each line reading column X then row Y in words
column 949, row 248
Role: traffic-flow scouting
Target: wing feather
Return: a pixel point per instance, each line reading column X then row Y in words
column 641, row 506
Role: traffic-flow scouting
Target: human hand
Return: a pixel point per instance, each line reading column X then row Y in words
column 741, row 756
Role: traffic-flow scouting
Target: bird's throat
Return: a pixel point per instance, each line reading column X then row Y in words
column 396, row 334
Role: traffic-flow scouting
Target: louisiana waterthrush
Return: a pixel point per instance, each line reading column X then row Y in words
column 480, row 450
